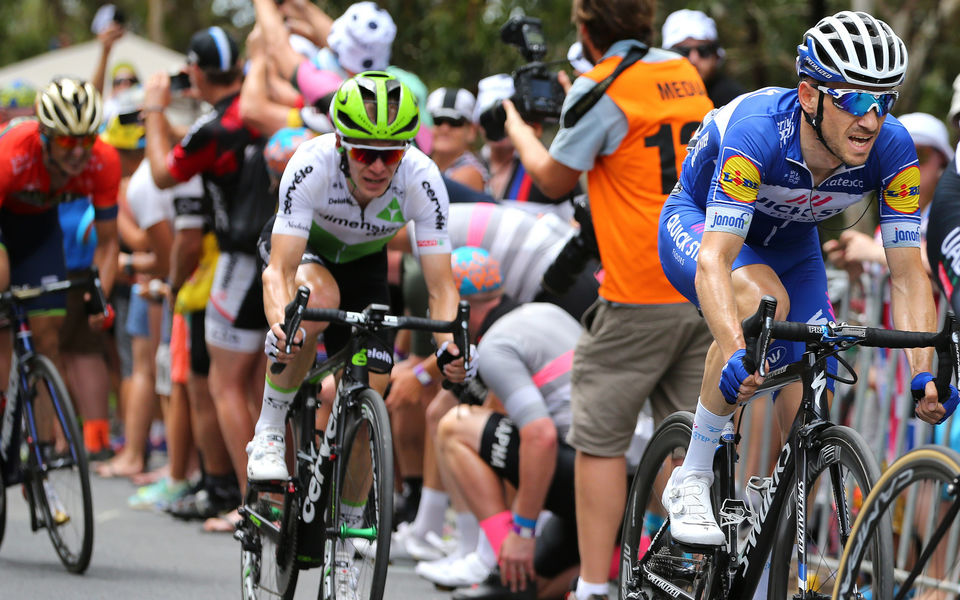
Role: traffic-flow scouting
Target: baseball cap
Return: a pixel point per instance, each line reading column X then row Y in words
column 577, row 59
column 361, row 38
column 213, row 49
column 686, row 23
column 489, row 90
column 453, row 103
column 927, row 130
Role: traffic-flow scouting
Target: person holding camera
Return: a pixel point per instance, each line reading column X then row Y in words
column 630, row 140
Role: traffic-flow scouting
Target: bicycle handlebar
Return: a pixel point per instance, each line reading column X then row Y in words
column 97, row 303
column 760, row 327
column 374, row 317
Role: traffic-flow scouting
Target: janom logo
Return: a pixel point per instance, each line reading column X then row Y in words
column 740, row 179
column 902, row 194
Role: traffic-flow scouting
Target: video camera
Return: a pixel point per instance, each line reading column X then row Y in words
column 538, row 95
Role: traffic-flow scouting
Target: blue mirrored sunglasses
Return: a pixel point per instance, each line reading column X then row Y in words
column 859, row 102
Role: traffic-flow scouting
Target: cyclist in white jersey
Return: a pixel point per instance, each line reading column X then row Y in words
column 342, row 197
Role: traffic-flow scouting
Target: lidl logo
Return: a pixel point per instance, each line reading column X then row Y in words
column 392, row 213
column 740, row 179
column 903, row 191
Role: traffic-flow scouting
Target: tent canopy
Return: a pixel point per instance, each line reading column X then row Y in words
column 80, row 60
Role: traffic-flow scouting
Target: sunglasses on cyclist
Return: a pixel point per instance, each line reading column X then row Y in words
column 451, row 121
column 859, row 102
column 704, row 50
column 69, row 142
column 390, row 155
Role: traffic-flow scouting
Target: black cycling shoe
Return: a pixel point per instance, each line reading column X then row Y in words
column 218, row 495
column 493, row 589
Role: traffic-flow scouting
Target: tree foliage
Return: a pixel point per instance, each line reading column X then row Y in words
column 456, row 42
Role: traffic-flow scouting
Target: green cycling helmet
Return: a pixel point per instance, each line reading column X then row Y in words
column 349, row 109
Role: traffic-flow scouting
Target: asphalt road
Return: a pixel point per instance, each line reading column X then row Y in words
column 146, row 555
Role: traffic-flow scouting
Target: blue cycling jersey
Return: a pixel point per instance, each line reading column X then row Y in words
column 746, row 172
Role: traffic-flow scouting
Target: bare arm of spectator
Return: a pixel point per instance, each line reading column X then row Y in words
column 107, row 37
column 156, row 99
column 277, row 38
column 184, row 255
column 319, row 21
column 281, row 90
column 256, row 108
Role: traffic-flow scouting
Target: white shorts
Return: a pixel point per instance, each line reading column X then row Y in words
column 234, row 317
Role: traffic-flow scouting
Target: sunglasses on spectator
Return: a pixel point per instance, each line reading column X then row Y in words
column 859, row 102
column 125, row 81
column 69, row 142
column 390, row 155
column 451, row 121
column 704, row 50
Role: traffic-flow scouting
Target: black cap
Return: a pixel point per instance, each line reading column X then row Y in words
column 213, row 49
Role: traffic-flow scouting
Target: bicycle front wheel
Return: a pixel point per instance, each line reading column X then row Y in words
column 361, row 506
column 57, row 466
column 648, row 556
column 919, row 496
column 841, row 471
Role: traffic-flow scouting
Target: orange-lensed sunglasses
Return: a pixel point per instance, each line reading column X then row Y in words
column 368, row 155
column 69, row 142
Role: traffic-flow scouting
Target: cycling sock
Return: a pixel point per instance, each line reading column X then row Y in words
column 431, row 513
column 586, row 589
column 496, row 528
column 276, row 401
column 468, row 529
column 352, row 515
column 485, row 551
column 703, row 443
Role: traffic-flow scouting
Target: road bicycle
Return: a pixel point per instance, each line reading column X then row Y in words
column 41, row 446
column 300, row 523
column 920, row 495
column 761, row 525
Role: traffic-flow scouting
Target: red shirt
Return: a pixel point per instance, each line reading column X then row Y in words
column 25, row 182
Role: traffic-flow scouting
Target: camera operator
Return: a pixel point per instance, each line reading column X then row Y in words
column 629, row 135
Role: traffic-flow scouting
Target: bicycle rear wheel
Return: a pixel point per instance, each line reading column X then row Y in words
column 362, row 504
column 841, row 471
column 268, row 537
column 647, row 551
column 57, row 466
column 917, row 495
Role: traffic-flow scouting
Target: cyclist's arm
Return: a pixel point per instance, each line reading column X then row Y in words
column 279, row 278
column 538, row 459
column 714, row 285
column 443, row 293
column 106, row 253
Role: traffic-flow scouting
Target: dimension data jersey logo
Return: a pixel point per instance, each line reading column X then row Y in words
column 392, row 213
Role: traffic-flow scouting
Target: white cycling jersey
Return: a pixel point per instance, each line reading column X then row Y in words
column 315, row 204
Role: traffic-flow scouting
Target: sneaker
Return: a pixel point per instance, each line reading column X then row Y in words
column 406, row 544
column 159, row 494
column 266, row 454
column 439, row 564
column 345, row 576
column 57, row 511
column 462, row 572
column 687, row 499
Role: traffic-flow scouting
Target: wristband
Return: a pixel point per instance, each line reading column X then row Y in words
column 524, row 522
column 422, row 375
column 524, row 532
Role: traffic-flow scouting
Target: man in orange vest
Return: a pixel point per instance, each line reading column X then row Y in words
column 641, row 340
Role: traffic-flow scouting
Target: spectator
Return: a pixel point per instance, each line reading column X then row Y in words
column 454, row 131
column 639, row 316
column 694, row 35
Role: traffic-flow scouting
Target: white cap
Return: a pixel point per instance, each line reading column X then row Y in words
column 577, row 60
column 489, row 90
column 361, row 38
column 454, row 103
column 927, row 130
column 685, row 23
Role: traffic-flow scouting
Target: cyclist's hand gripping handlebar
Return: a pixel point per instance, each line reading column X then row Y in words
column 461, row 337
column 292, row 316
column 756, row 333
column 948, row 361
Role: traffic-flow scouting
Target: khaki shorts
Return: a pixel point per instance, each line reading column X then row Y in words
column 626, row 354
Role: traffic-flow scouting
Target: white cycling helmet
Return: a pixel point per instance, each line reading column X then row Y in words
column 70, row 107
column 853, row 47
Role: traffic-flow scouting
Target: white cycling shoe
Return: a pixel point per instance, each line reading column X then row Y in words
column 461, row 572
column 266, row 456
column 687, row 500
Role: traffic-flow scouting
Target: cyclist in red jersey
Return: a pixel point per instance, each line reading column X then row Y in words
column 53, row 158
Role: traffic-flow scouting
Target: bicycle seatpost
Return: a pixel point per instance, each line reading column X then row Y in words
column 292, row 317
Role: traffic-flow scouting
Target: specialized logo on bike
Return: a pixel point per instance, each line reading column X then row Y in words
column 902, row 194
column 740, row 179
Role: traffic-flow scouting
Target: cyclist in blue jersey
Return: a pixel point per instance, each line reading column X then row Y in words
column 761, row 172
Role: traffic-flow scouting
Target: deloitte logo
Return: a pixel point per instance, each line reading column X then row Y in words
column 392, row 213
